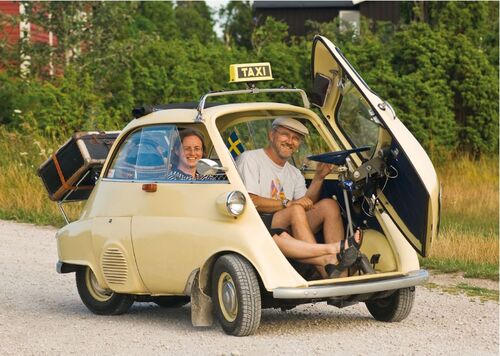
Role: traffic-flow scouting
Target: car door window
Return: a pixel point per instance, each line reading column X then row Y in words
column 150, row 154
column 145, row 154
column 357, row 119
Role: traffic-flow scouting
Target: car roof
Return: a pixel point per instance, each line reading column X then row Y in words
column 230, row 111
column 148, row 109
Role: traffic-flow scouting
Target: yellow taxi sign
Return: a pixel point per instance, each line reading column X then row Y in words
column 250, row 72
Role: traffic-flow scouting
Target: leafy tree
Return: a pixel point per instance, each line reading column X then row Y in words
column 475, row 84
column 471, row 30
column 195, row 20
column 272, row 31
column 238, row 23
column 476, row 20
column 157, row 18
column 67, row 21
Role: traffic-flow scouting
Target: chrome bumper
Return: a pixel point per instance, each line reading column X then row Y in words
column 411, row 279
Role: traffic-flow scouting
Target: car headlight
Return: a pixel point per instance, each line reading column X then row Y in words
column 232, row 203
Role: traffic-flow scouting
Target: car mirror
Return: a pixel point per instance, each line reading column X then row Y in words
column 207, row 167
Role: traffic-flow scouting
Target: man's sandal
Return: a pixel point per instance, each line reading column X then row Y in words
column 351, row 241
column 350, row 258
column 346, row 258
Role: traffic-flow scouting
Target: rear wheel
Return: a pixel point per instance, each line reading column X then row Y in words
column 236, row 295
column 97, row 299
column 393, row 308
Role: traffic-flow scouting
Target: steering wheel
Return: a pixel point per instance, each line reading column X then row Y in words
column 338, row 157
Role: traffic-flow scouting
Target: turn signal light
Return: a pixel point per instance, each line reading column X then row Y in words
column 150, row 187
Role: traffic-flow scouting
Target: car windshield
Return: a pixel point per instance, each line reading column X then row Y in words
column 252, row 135
column 357, row 119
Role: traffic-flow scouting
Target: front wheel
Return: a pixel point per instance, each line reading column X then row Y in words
column 97, row 299
column 236, row 295
column 393, row 308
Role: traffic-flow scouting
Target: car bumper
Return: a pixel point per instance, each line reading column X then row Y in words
column 411, row 279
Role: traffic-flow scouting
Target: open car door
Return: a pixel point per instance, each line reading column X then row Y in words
column 358, row 117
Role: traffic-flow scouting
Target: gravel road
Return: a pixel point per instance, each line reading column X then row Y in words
column 41, row 313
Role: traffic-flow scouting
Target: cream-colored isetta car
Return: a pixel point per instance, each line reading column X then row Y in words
column 143, row 237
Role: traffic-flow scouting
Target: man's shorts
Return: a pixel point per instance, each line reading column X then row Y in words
column 267, row 218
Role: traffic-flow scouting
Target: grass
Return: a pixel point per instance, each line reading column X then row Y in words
column 471, row 269
column 22, row 194
column 463, row 288
column 468, row 239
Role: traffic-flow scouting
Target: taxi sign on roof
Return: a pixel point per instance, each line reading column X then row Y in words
column 250, row 72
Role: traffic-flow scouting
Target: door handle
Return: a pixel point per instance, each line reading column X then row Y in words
column 150, row 187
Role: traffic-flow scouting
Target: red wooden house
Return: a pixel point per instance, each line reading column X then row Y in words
column 15, row 29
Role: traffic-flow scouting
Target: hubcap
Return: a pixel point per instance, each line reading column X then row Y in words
column 97, row 292
column 228, row 300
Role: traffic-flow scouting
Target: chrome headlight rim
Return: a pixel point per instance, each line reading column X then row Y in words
column 232, row 203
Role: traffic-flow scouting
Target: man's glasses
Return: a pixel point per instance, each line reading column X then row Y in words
column 296, row 138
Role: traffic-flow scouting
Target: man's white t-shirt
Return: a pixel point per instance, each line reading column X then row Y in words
column 265, row 178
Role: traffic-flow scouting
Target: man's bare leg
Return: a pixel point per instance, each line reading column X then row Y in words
column 294, row 248
column 315, row 254
column 326, row 214
column 294, row 217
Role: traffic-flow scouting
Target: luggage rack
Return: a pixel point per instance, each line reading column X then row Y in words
column 252, row 90
column 66, row 196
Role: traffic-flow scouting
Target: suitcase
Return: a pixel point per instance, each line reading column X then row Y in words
column 71, row 173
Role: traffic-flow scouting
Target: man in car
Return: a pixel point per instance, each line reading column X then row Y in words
column 279, row 191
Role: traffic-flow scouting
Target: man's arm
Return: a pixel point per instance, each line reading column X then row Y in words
column 266, row 205
column 314, row 190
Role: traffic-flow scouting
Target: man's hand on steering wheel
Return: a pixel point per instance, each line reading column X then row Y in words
column 323, row 169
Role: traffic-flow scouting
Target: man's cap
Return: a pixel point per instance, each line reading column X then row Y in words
column 291, row 124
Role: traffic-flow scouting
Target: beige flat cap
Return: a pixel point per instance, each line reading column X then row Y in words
column 291, row 124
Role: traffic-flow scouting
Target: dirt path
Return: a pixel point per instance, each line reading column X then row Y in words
column 41, row 313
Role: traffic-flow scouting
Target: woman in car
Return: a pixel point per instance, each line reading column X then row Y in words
column 188, row 150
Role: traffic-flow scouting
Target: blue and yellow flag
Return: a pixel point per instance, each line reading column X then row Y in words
column 234, row 144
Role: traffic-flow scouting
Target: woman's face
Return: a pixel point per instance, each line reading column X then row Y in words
column 191, row 152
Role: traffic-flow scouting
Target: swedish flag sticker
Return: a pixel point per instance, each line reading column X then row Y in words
column 234, row 144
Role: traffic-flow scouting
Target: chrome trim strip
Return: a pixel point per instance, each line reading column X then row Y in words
column 411, row 279
column 166, row 181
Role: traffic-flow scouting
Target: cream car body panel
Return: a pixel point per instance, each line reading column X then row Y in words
column 418, row 169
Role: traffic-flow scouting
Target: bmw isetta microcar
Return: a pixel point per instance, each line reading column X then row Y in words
column 145, row 237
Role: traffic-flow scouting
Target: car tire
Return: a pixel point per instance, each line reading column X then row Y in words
column 97, row 299
column 174, row 301
column 236, row 295
column 393, row 308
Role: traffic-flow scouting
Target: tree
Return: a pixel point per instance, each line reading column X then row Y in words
column 195, row 20
column 238, row 23
column 156, row 18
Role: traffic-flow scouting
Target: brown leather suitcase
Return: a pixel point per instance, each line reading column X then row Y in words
column 71, row 173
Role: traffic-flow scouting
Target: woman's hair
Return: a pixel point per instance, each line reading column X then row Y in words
column 182, row 135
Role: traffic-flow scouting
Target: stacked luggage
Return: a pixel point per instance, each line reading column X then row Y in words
column 71, row 173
